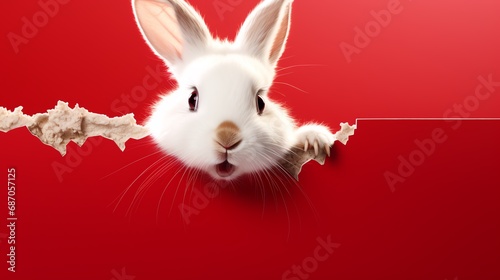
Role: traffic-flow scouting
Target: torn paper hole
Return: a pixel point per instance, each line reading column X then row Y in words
column 62, row 124
column 297, row 157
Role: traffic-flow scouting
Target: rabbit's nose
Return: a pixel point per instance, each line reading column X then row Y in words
column 228, row 135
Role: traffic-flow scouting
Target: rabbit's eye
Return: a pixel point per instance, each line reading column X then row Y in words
column 260, row 105
column 193, row 101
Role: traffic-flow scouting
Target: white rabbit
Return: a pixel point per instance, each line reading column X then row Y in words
column 220, row 118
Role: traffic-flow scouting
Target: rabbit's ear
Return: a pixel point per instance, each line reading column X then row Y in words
column 265, row 30
column 171, row 27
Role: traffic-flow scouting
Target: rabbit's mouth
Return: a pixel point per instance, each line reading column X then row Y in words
column 225, row 169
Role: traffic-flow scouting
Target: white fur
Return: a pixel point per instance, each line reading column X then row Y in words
column 227, row 76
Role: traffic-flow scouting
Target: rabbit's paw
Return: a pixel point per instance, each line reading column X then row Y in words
column 314, row 137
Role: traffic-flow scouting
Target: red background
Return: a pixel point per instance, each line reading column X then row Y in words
column 440, row 223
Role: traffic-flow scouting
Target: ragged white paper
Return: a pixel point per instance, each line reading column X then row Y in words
column 58, row 126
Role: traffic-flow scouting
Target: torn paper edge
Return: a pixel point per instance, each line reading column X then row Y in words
column 58, row 126
column 297, row 157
